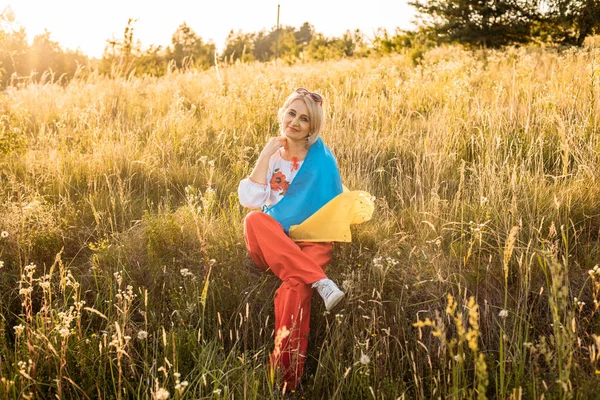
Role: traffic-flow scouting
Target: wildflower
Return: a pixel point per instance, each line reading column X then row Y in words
column 503, row 313
column 282, row 333
column 29, row 271
column 217, row 391
column 185, row 272
column 364, row 359
column 179, row 386
column 70, row 280
column 19, row 329
column 346, row 285
column 1, row 264
column 22, row 365
column 4, row 234
column 118, row 278
column 64, row 332
column 161, row 394
column 142, row 335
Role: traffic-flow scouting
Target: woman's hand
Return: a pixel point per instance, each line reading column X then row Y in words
column 273, row 145
column 259, row 173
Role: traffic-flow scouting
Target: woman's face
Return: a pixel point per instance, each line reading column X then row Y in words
column 296, row 122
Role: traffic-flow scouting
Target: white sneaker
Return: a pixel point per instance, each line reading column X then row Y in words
column 329, row 291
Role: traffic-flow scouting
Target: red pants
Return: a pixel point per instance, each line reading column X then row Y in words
column 298, row 265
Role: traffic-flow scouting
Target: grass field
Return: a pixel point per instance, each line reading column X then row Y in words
column 124, row 274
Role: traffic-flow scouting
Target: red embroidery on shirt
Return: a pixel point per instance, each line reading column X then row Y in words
column 258, row 183
column 295, row 165
column 279, row 182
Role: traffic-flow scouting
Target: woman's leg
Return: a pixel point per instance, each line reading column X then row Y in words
column 297, row 265
column 292, row 319
column 270, row 248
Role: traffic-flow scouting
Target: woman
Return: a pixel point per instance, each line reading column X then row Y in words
column 294, row 177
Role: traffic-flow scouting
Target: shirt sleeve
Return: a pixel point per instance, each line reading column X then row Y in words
column 252, row 194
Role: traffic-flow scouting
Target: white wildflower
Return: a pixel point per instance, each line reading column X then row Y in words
column 118, row 278
column 364, row 359
column 503, row 313
column 22, row 365
column 142, row 335
column 185, row 272
column 45, row 282
column 4, row 234
column 161, row 394
column 19, row 329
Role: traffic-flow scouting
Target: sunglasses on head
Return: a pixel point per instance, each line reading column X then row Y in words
column 316, row 97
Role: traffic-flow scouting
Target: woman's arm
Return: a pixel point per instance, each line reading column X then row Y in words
column 252, row 194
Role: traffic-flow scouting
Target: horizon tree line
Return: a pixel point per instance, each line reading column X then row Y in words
column 473, row 23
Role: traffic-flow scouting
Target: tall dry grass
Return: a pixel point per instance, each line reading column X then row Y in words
column 124, row 272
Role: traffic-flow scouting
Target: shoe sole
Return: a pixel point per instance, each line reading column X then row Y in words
column 335, row 302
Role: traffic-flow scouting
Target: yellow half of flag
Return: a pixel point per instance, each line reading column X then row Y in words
column 331, row 223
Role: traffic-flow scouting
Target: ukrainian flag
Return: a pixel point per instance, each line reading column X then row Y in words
column 317, row 207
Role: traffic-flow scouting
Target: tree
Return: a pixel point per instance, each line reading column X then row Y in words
column 263, row 50
column 13, row 54
column 304, row 35
column 120, row 54
column 239, row 46
column 487, row 23
column 151, row 62
column 45, row 54
column 189, row 49
column 570, row 21
column 285, row 43
column 7, row 47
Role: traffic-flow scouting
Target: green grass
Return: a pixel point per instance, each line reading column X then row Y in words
column 122, row 194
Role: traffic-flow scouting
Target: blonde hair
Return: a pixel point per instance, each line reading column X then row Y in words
column 316, row 115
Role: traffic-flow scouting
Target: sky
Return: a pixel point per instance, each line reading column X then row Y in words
column 87, row 25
